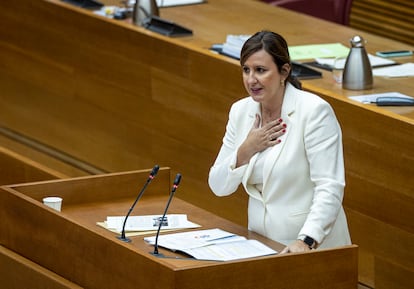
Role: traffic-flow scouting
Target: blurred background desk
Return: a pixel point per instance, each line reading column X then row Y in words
column 110, row 96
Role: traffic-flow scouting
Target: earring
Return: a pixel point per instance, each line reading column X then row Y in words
column 282, row 82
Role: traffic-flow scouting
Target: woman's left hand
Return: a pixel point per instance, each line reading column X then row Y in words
column 297, row 246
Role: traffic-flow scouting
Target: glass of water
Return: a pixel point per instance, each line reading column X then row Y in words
column 338, row 68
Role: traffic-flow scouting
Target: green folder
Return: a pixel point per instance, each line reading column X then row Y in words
column 313, row 51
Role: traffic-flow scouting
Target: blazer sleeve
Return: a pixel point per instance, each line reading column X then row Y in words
column 224, row 178
column 323, row 144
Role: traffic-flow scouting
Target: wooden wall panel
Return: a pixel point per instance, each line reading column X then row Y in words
column 16, row 169
column 390, row 18
column 392, row 275
column 381, row 245
column 126, row 105
column 17, row 272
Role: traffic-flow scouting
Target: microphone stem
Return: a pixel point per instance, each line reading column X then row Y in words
column 133, row 205
column 161, row 221
column 151, row 176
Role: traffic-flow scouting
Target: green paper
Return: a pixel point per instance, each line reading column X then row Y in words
column 313, row 51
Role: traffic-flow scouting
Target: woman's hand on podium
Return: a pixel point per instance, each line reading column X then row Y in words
column 297, row 246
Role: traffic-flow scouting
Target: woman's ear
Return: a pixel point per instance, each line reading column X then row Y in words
column 285, row 70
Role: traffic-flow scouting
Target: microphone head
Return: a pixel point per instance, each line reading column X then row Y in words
column 177, row 180
column 154, row 171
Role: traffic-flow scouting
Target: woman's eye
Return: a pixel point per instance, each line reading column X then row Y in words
column 260, row 69
column 246, row 70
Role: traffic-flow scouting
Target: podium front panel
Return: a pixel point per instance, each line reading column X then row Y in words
column 71, row 244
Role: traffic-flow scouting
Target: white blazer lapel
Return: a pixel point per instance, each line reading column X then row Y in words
column 288, row 108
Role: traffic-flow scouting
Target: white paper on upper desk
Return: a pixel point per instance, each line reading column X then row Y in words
column 374, row 60
column 234, row 44
column 401, row 70
column 149, row 222
column 370, row 98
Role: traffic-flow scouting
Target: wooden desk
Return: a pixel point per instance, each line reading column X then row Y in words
column 70, row 243
column 121, row 97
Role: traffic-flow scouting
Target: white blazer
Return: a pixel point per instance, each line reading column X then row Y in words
column 303, row 176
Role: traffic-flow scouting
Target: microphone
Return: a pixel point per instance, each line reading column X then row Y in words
column 174, row 187
column 150, row 177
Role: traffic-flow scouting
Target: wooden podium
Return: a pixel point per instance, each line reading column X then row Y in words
column 69, row 244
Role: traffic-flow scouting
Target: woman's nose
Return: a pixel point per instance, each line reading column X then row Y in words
column 251, row 78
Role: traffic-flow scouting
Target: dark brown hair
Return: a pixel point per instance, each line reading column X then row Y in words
column 275, row 45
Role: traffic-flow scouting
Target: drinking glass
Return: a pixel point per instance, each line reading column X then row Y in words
column 338, row 68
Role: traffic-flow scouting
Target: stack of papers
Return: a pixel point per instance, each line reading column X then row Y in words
column 233, row 45
column 212, row 244
column 148, row 223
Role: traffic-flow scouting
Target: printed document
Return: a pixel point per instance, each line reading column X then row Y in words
column 212, row 244
column 149, row 222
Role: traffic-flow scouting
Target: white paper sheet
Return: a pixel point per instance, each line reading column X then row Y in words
column 402, row 70
column 212, row 244
column 374, row 60
column 371, row 98
column 231, row 251
column 149, row 222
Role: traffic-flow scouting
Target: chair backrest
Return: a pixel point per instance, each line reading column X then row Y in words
column 332, row 10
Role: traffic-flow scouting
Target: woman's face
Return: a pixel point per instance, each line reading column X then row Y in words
column 261, row 77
